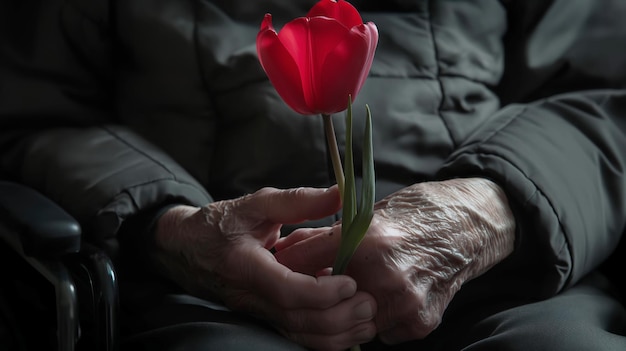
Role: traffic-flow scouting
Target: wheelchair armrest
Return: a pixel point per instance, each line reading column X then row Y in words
column 42, row 228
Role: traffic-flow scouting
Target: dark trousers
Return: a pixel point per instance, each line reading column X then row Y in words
column 588, row 316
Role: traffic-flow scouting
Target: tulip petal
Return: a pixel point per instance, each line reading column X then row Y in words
column 370, row 31
column 341, row 73
column 280, row 67
column 315, row 62
column 347, row 66
column 309, row 41
column 340, row 10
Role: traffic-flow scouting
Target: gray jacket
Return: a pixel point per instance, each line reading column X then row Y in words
column 114, row 108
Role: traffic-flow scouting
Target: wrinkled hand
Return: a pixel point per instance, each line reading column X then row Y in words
column 424, row 242
column 222, row 250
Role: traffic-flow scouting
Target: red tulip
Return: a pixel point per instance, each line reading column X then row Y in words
column 317, row 61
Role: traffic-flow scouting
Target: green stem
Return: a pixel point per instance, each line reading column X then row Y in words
column 333, row 150
column 355, row 348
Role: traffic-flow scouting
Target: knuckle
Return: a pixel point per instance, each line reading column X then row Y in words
column 270, row 196
column 265, row 192
column 296, row 193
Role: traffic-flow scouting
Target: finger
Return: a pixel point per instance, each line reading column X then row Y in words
column 324, row 271
column 299, row 235
column 285, row 288
column 359, row 333
column 311, row 254
column 338, row 318
column 295, row 205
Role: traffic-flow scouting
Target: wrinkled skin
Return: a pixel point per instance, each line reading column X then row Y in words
column 221, row 251
column 424, row 242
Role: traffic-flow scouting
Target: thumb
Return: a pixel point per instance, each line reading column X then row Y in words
column 295, row 205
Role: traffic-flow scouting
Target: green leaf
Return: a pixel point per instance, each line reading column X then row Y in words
column 349, row 196
column 368, row 188
column 352, row 232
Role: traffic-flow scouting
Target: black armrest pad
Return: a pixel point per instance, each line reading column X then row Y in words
column 44, row 228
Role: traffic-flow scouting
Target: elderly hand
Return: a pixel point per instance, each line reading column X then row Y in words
column 222, row 250
column 424, row 242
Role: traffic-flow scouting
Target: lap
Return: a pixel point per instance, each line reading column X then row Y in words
column 156, row 316
column 585, row 317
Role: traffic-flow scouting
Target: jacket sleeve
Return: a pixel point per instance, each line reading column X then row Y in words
column 58, row 132
column 562, row 162
column 560, row 150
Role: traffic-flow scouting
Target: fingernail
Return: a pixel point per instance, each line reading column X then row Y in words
column 364, row 310
column 324, row 272
column 331, row 188
column 347, row 290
